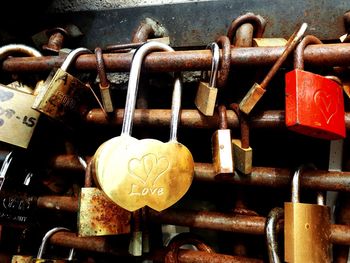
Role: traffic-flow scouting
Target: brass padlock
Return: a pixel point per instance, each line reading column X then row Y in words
column 47, row 236
column 257, row 90
column 222, row 147
column 150, row 172
column 63, row 97
column 21, row 256
column 269, row 42
column 242, row 152
column 306, row 228
column 21, row 259
column 207, row 92
column 17, row 119
column 97, row 215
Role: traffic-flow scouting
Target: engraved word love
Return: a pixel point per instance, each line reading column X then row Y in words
column 147, row 170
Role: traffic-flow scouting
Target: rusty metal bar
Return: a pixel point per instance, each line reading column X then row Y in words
column 340, row 234
column 96, row 244
column 103, row 245
column 64, row 203
column 254, row 225
column 193, row 119
column 317, row 55
column 261, row 176
column 191, row 256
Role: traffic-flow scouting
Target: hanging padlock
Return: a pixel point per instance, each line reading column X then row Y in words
column 306, row 228
column 181, row 239
column 222, row 146
column 272, row 219
column 150, row 172
column 22, row 257
column 97, row 215
column 63, row 97
column 314, row 104
column 257, row 90
column 207, row 92
column 39, row 257
column 242, row 152
column 17, row 119
column 104, row 83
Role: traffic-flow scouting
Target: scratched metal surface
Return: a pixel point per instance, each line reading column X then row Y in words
column 197, row 23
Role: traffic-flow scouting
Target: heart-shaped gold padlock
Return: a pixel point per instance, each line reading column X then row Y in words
column 136, row 173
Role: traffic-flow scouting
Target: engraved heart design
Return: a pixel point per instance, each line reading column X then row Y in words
column 136, row 173
column 5, row 95
column 327, row 106
column 149, row 168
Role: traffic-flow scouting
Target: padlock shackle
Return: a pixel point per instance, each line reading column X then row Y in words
column 222, row 117
column 299, row 50
column 47, row 237
column 296, row 182
column 72, row 56
column 215, row 50
column 133, row 84
column 4, row 167
column 243, row 124
column 272, row 219
column 7, row 50
column 185, row 238
column 256, row 21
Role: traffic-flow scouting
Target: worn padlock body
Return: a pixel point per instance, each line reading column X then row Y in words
column 17, row 118
column 64, row 98
column 242, row 157
column 150, row 173
column 314, row 105
column 21, row 259
column 206, row 98
column 222, row 152
column 98, row 216
column 306, row 233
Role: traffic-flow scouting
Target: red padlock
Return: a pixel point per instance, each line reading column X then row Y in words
column 314, row 103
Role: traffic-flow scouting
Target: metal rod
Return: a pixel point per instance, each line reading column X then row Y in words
column 317, row 55
column 261, row 176
column 193, row 119
column 102, row 245
column 192, row 256
column 254, row 225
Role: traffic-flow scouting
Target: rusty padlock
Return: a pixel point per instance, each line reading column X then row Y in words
column 63, row 97
column 97, row 215
column 257, row 90
column 43, row 245
column 181, row 239
column 242, row 152
column 306, row 228
column 17, row 119
column 222, row 146
column 314, row 104
column 272, row 243
column 207, row 92
column 150, row 172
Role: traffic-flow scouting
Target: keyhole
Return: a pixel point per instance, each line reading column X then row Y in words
column 307, row 226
